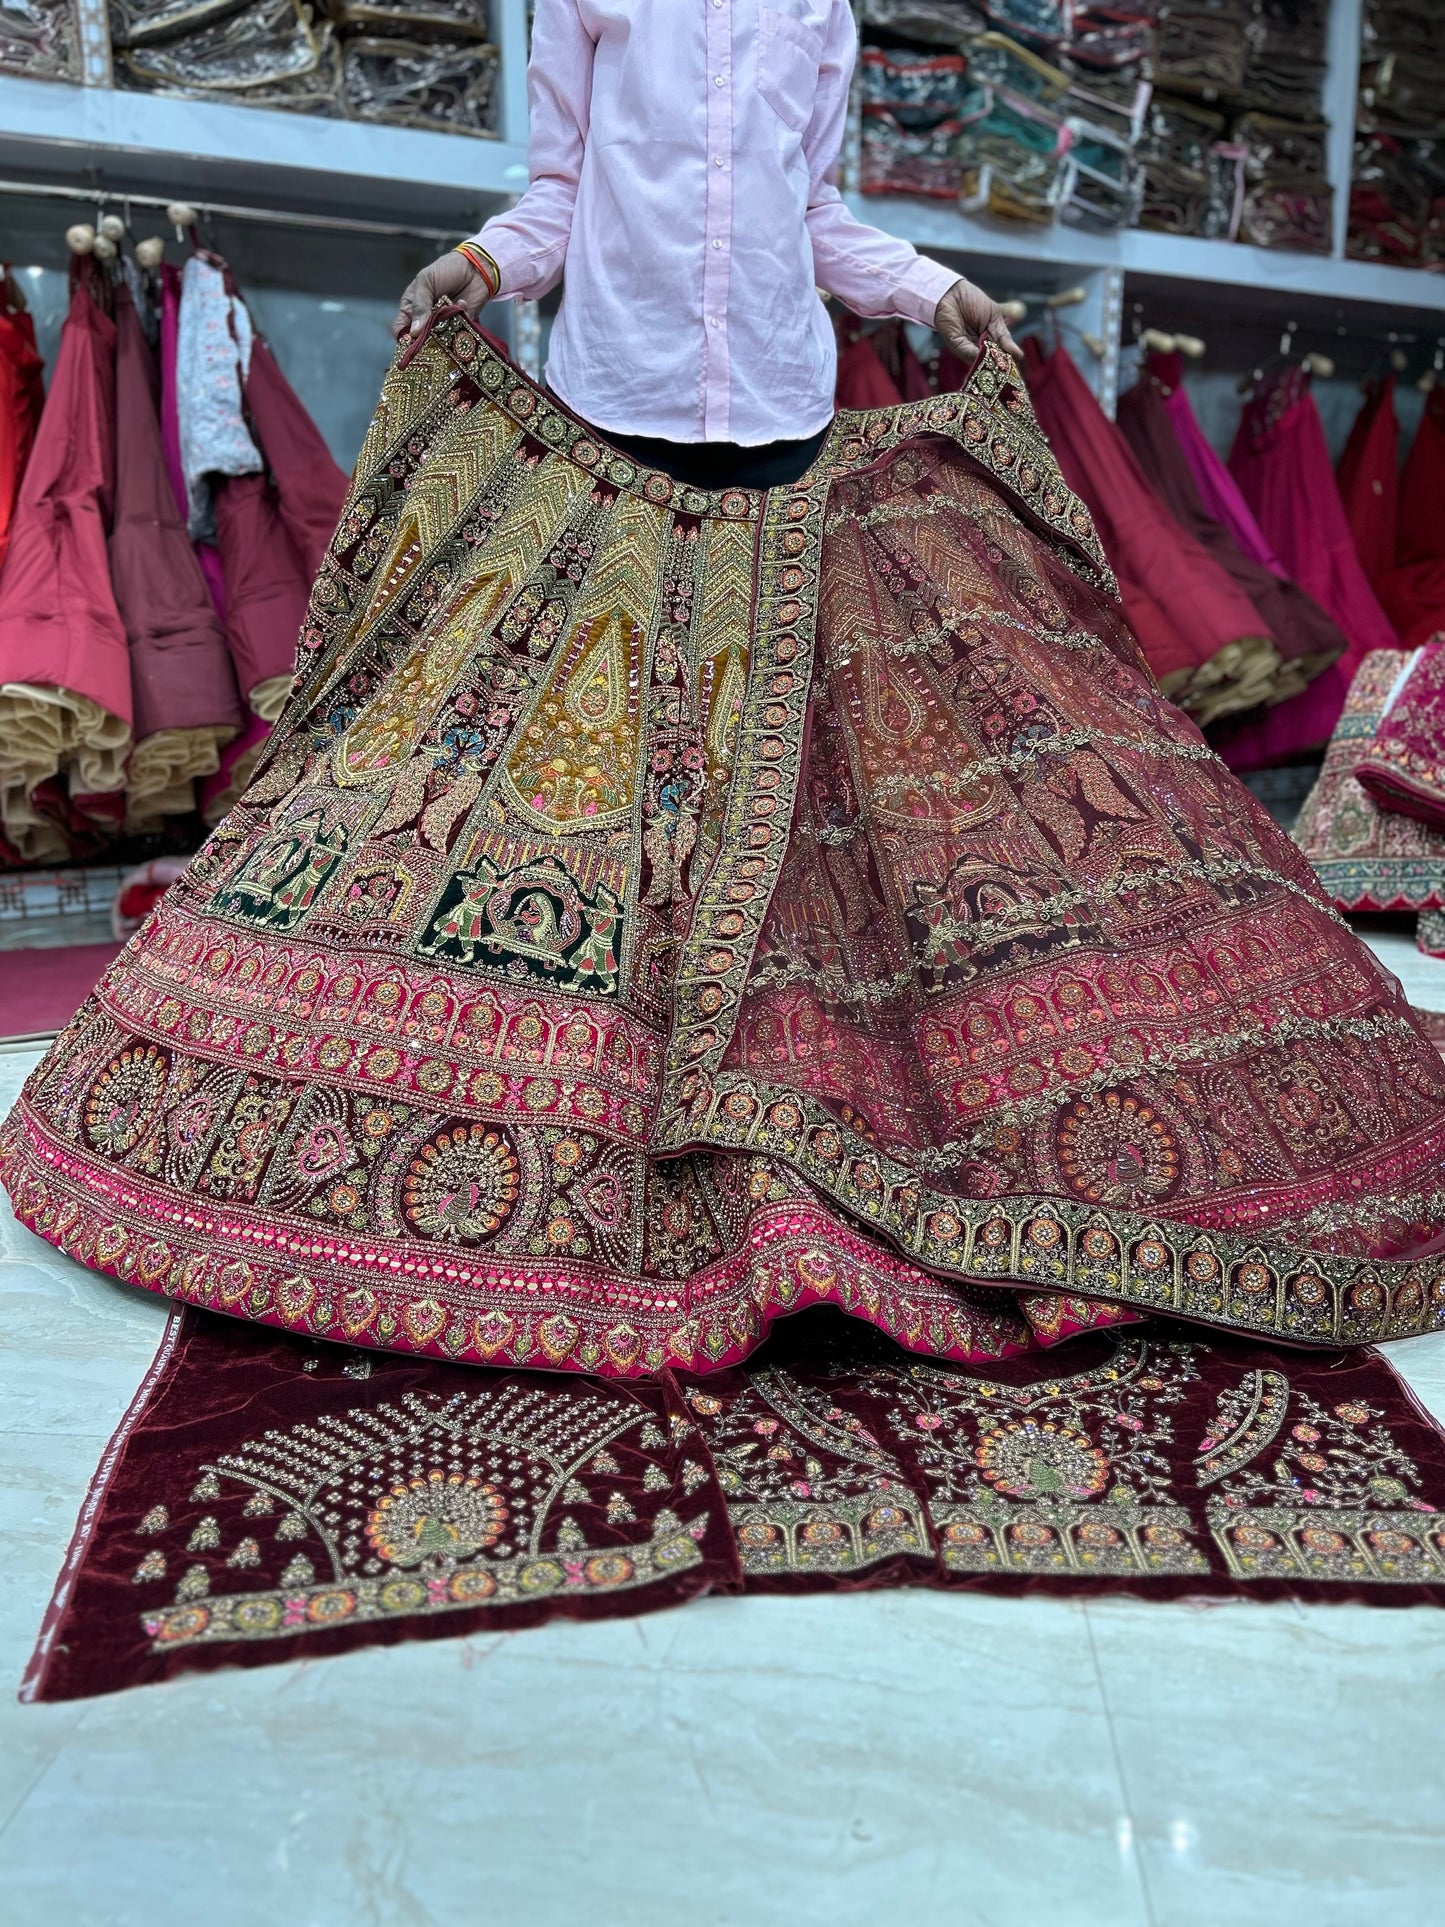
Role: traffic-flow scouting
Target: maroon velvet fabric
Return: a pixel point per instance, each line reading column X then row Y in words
column 310, row 487
column 269, row 1498
column 181, row 675
column 267, row 589
column 1181, row 605
column 1299, row 628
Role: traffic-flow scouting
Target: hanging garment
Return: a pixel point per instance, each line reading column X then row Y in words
column 310, row 487
column 863, row 381
column 170, row 329
column 1414, row 590
column 22, row 397
column 1201, row 636
column 1366, row 857
column 659, row 910
column 1367, row 481
column 65, row 698
column 905, row 370
column 1282, row 465
column 1304, row 636
column 1218, row 490
column 213, row 350
column 1403, row 765
column 182, row 684
column 266, row 590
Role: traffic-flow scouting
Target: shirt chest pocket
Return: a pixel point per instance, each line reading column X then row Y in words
column 790, row 47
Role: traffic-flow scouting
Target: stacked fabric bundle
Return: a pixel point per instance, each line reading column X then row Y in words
column 1030, row 109
column 41, row 39
column 1397, row 197
column 1236, row 144
column 415, row 63
column 170, row 515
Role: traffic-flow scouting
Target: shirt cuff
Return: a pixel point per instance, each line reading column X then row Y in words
column 922, row 288
column 509, row 251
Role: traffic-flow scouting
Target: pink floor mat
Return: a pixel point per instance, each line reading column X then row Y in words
column 41, row 990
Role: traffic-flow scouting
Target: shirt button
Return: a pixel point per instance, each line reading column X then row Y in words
column 720, row 81
column 717, row 244
column 717, row 160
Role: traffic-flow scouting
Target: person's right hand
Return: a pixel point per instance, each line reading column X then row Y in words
column 451, row 278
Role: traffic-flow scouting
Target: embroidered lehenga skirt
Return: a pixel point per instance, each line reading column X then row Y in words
column 657, row 912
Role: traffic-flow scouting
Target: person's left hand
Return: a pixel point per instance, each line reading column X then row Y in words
column 966, row 315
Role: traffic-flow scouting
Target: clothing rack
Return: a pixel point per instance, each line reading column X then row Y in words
column 100, row 197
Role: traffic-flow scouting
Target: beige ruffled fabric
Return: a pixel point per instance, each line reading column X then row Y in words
column 47, row 731
column 161, row 779
column 268, row 698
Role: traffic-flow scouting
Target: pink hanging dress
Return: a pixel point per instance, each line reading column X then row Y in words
column 1282, row 465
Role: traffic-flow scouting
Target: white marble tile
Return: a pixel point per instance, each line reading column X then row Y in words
column 73, row 1345
column 42, row 1482
column 865, row 1757
column 1283, row 1764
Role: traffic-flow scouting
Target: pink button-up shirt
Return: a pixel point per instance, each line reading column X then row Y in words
column 682, row 158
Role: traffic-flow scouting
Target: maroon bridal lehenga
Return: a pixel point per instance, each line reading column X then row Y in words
column 657, row 911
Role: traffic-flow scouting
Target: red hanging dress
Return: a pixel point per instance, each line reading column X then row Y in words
column 1367, row 481
column 1414, row 590
column 310, row 487
column 1303, row 634
column 1201, row 636
column 182, row 684
column 22, row 397
column 1282, row 465
column 65, row 695
column 863, row 381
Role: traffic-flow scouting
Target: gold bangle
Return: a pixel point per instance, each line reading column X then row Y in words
column 484, row 265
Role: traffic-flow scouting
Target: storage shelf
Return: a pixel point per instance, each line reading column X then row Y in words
column 939, row 227
column 212, row 149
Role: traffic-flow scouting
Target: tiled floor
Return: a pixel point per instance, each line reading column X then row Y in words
column 879, row 1758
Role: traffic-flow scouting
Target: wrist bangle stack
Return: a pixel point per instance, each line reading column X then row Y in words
column 485, row 266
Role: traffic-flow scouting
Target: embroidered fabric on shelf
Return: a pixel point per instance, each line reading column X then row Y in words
column 270, row 1499
column 1368, row 858
column 1403, row 765
column 657, row 911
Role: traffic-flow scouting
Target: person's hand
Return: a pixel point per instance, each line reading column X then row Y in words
column 966, row 315
column 452, row 278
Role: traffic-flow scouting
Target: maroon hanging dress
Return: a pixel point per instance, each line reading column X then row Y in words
column 1200, row 634
column 1303, row 634
column 1282, row 465
column 182, row 683
column 310, row 487
column 863, row 381
column 65, row 719
column 1366, row 475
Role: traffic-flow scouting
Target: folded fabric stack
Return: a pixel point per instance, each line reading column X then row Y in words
column 414, row 63
column 1236, row 141
column 1030, row 109
column 1397, row 196
column 162, row 519
column 40, row 39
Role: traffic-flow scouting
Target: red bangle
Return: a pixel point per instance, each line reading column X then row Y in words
column 484, row 265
